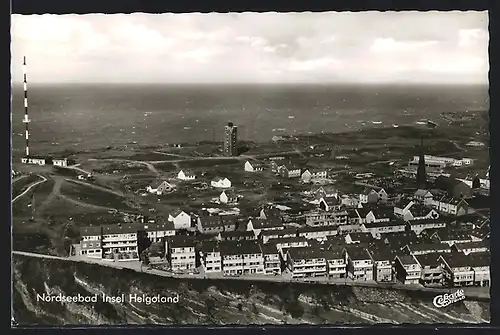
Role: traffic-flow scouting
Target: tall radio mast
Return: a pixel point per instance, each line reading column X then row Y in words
column 26, row 119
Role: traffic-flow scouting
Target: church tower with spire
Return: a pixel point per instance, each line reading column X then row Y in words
column 421, row 177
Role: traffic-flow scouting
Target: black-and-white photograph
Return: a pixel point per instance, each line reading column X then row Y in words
column 250, row 168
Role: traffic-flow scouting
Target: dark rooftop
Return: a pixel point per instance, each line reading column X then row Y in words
column 237, row 233
column 361, row 237
column 305, row 253
column 210, row 246
column 124, row 228
column 431, row 259
column 336, row 252
column 91, row 231
column 180, row 241
column 474, row 244
column 429, row 247
column 269, row 249
column 456, row 260
column 271, row 222
column 357, row 253
column 407, row 259
column 239, row 247
column 210, row 221
column 287, row 240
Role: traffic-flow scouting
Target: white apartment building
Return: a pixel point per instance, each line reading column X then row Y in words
column 156, row 232
column 241, row 257
column 210, row 257
column 335, row 263
column 359, row 264
column 272, row 261
column 181, row 253
column 91, row 243
column 306, row 262
column 382, row 259
column 121, row 239
column 466, row 270
column 408, row 270
column 318, row 218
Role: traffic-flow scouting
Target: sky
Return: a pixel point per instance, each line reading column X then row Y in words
column 363, row 47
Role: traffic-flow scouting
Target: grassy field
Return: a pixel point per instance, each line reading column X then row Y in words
column 65, row 172
column 93, row 196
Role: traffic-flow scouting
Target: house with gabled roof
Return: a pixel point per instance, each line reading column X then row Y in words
column 423, row 196
column 418, row 226
column 329, row 203
column 472, row 247
column 228, row 197
column 220, row 182
column 186, row 175
column 210, row 224
column 253, row 166
column 309, row 175
column 451, row 236
column 180, row 219
column 159, row 187
column 257, row 225
column 289, row 171
column 368, row 196
column 426, row 248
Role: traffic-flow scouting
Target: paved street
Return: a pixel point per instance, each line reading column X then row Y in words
column 472, row 292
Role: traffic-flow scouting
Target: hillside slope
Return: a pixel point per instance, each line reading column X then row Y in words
column 215, row 302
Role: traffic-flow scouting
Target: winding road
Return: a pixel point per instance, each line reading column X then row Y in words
column 30, row 187
column 147, row 164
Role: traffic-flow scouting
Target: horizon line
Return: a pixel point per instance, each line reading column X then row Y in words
column 305, row 83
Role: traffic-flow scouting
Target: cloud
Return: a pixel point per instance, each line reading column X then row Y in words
column 252, row 47
column 472, row 37
column 391, row 45
column 313, row 64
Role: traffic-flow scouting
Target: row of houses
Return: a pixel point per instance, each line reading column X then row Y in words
column 254, row 251
column 304, row 260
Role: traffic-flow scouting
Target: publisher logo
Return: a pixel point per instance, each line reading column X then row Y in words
column 446, row 299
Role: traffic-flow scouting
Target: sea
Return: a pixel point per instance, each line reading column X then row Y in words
column 94, row 116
